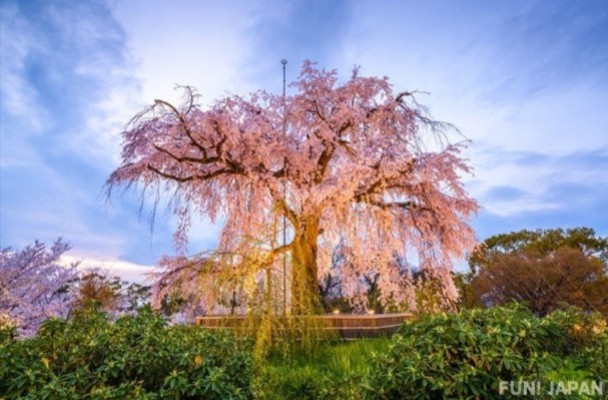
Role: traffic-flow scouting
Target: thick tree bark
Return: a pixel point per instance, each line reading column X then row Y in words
column 305, row 296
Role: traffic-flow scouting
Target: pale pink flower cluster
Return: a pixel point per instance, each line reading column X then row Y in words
column 34, row 286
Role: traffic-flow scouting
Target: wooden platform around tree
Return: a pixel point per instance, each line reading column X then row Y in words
column 347, row 326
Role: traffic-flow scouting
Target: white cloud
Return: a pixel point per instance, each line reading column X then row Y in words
column 64, row 75
column 534, row 176
column 127, row 271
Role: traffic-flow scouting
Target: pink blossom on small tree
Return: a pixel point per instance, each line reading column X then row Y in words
column 34, row 286
column 350, row 164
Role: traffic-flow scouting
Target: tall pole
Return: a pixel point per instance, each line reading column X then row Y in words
column 284, row 62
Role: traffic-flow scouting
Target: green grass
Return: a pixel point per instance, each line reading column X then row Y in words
column 333, row 370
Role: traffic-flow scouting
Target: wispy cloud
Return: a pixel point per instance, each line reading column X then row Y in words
column 60, row 64
column 67, row 89
column 19, row 97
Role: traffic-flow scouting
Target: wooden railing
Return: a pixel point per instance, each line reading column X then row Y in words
column 347, row 326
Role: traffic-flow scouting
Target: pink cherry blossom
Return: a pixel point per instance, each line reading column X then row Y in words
column 34, row 286
column 351, row 164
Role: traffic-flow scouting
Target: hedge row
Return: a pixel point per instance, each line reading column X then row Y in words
column 463, row 355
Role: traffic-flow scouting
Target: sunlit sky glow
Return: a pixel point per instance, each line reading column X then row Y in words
column 526, row 81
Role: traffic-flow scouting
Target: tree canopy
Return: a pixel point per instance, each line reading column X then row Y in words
column 548, row 269
column 34, row 286
column 353, row 165
column 543, row 242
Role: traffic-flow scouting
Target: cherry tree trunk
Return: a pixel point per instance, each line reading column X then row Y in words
column 305, row 295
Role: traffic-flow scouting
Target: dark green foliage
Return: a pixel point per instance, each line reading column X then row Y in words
column 136, row 357
column 466, row 355
column 452, row 356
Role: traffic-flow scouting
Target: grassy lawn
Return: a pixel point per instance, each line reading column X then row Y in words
column 333, row 370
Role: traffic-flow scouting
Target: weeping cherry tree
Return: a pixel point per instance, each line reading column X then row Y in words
column 350, row 165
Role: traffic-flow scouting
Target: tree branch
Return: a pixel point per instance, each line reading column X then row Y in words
column 178, row 158
column 288, row 212
column 189, row 178
column 328, row 153
column 184, row 125
column 172, row 177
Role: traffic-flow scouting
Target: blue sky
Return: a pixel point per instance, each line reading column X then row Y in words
column 526, row 81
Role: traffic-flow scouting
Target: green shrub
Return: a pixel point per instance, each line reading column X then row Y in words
column 136, row 357
column 466, row 355
column 454, row 356
column 584, row 339
column 7, row 333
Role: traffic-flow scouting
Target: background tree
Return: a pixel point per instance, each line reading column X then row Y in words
column 135, row 295
column 542, row 242
column 34, row 286
column 547, row 269
column 466, row 296
column 350, row 163
column 97, row 289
